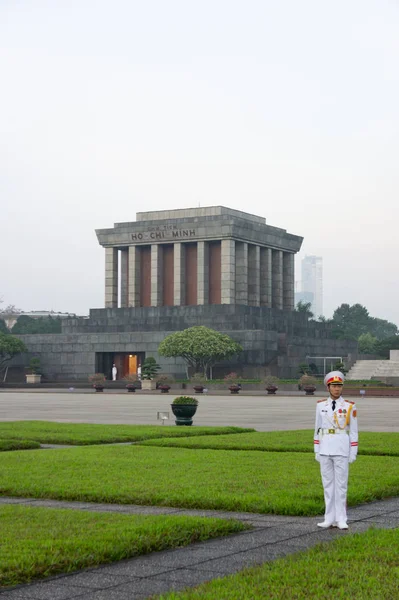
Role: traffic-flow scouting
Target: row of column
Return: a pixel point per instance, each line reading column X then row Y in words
column 249, row 274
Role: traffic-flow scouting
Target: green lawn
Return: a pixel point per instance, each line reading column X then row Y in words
column 6, row 445
column 38, row 542
column 49, row 432
column 361, row 566
column 267, row 482
column 382, row 444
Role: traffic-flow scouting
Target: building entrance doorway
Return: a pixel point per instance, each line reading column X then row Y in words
column 127, row 363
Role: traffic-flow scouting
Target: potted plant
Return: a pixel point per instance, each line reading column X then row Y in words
column 131, row 382
column 198, row 381
column 98, row 380
column 34, row 375
column 233, row 380
column 149, row 370
column 163, row 383
column 308, row 384
column 184, row 408
column 271, row 384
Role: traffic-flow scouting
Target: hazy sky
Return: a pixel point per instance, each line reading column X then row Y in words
column 286, row 109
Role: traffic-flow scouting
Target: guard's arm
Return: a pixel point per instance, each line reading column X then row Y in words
column 316, row 437
column 353, row 434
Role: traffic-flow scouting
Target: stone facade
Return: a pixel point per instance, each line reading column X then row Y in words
column 217, row 267
column 231, row 274
column 274, row 341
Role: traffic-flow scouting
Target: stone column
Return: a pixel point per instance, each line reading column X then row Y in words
column 156, row 275
column 228, row 272
column 241, row 273
column 288, row 281
column 277, row 279
column 124, row 277
column 111, row 278
column 134, row 276
column 202, row 273
column 266, row 277
column 178, row 276
column 253, row 275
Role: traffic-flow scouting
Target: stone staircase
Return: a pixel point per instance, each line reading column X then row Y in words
column 377, row 369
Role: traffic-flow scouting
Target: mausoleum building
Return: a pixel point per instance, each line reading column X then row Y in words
column 170, row 270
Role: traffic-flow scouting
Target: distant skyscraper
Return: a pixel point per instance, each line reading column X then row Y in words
column 312, row 282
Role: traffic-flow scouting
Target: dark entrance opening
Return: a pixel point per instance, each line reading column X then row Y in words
column 126, row 363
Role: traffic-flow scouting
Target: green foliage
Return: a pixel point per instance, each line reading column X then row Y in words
column 339, row 366
column 350, row 322
column 131, row 378
column 271, row 380
column 34, row 365
column 185, row 400
column 367, row 343
column 39, row 542
column 149, row 368
column 200, row 347
column 26, row 324
column 49, row 432
column 371, row 443
column 304, row 308
column 268, row 482
column 312, row 575
column 303, row 368
column 7, row 445
column 198, row 378
column 165, row 379
column 383, row 347
column 307, row 380
column 10, row 346
column 3, row 327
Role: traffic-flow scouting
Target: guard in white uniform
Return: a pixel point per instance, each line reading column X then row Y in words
column 335, row 446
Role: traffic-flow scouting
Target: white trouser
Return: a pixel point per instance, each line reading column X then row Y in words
column 334, row 474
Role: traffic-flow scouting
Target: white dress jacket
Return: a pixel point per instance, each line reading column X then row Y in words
column 336, row 432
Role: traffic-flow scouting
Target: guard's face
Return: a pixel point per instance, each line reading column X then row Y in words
column 335, row 390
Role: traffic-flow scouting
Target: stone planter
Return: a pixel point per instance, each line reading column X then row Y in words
column 272, row 389
column 198, row 388
column 164, row 388
column 98, row 387
column 131, row 387
column 309, row 390
column 234, row 389
column 148, row 384
column 184, row 413
column 33, row 378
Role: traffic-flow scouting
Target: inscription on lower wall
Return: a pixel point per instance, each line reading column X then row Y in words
column 167, row 234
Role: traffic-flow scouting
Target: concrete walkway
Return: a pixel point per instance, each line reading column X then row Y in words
column 138, row 578
column 263, row 413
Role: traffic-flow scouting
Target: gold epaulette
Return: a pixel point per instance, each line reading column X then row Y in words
column 323, row 400
column 350, row 401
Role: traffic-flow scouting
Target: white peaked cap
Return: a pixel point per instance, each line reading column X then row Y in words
column 334, row 377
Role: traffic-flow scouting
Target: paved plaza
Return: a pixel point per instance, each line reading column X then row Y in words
column 262, row 412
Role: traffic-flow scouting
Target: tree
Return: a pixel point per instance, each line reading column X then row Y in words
column 381, row 328
column 351, row 321
column 3, row 326
column 11, row 309
column 304, row 308
column 200, row 347
column 26, row 324
column 367, row 343
column 383, row 347
column 149, row 368
column 10, row 346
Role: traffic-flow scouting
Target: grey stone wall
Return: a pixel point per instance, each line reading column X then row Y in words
column 274, row 341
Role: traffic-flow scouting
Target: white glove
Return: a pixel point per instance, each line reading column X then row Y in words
column 352, row 459
column 317, row 456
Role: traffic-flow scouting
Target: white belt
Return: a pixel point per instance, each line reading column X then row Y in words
column 332, row 430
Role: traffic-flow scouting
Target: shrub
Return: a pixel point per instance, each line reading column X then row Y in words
column 131, row 378
column 149, row 368
column 307, row 380
column 185, row 400
column 198, row 378
column 271, row 380
column 164, row 379
column 231, row 378
column 34, row 365
column 97, row 378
